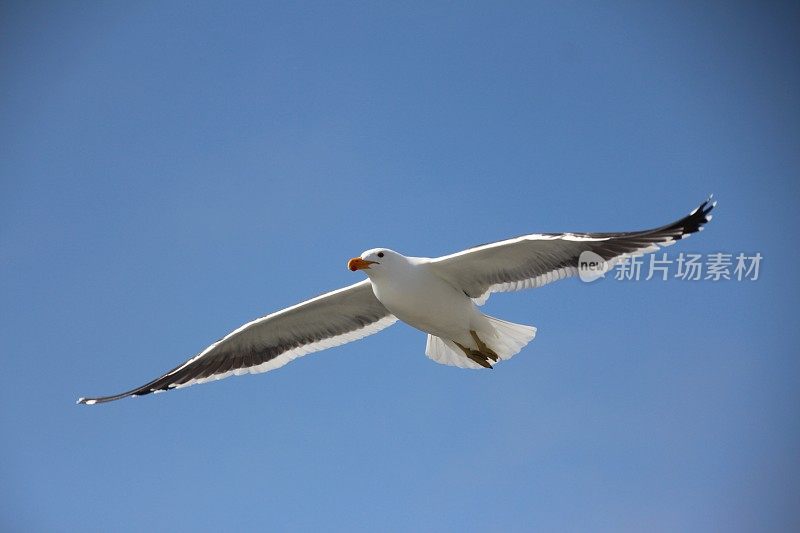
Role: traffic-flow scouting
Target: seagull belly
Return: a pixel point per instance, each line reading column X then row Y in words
column 430, row 304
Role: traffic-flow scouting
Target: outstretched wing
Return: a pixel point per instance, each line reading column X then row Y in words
column 534, row 260
column 270, row 342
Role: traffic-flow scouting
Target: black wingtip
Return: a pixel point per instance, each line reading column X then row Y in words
column 93, row 401
column 694, row 221
column 105, row 399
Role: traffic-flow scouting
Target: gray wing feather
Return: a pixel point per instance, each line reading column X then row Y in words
column 534, row 260
column 272, row 341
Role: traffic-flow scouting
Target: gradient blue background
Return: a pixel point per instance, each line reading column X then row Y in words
column 170, row 170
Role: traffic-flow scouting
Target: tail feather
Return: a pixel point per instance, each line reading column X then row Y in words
column 506, row 339
column 445, row 352
column 509, row 338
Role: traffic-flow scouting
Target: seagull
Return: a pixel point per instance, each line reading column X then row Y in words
column 439, row 296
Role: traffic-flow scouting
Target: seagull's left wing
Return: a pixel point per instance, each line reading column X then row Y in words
column 534, row 260
column 272, row 341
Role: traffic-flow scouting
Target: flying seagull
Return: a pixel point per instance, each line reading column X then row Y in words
column 438, row 296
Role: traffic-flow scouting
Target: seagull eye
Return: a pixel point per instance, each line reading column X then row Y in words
column 380, row 254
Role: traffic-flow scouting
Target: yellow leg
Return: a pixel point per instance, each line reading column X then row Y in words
column 475, row 355
column 482, row 348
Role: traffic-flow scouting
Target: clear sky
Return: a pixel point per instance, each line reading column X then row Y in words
column 171, row 170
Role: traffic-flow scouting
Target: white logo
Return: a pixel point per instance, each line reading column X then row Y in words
column 591, row 266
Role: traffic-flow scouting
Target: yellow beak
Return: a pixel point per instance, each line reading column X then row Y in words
column 357, row 263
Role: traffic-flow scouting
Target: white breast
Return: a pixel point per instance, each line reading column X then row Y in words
column 417, row 296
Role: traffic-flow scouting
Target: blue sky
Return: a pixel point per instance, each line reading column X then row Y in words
column 170, row 170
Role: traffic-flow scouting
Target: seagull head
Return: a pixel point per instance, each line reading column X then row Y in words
column 372, row 260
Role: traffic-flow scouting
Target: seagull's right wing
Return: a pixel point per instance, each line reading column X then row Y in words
column 270, row 342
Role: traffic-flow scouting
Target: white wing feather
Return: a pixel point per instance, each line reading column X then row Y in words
column 267, row 343
column 534, row 260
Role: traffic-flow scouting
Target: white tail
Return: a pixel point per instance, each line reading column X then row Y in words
column 509, row 338
column 506, row 339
